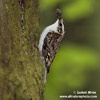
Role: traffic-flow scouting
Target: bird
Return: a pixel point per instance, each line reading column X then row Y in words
column 50, row 41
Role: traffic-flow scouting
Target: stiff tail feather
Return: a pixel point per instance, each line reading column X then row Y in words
column 45, row 75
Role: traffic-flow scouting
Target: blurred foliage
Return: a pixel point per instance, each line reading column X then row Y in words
column 76, row 65
column 79, row 9
column 72, row 9
column 70, row 70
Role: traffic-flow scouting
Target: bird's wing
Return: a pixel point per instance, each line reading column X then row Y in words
column 50, row 47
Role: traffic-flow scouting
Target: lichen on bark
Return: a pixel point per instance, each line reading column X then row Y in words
column 20, row 65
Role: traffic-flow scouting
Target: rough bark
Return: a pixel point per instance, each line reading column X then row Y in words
column 20, row 66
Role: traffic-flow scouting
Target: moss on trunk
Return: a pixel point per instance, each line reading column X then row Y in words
column 20, row 66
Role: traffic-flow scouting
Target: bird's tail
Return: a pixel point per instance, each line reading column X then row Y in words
column 45, row 75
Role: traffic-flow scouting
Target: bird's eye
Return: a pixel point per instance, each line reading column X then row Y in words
column 60, row 24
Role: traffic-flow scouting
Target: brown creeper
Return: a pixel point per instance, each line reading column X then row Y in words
column 50, row 41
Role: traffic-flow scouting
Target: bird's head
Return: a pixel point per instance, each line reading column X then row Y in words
column 60, row 21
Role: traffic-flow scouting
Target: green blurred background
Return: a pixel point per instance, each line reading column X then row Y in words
column 76, row 66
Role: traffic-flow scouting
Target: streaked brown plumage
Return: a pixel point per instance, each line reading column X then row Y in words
column 50, row 47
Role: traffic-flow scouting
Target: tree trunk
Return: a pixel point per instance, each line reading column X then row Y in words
column 20, row 65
